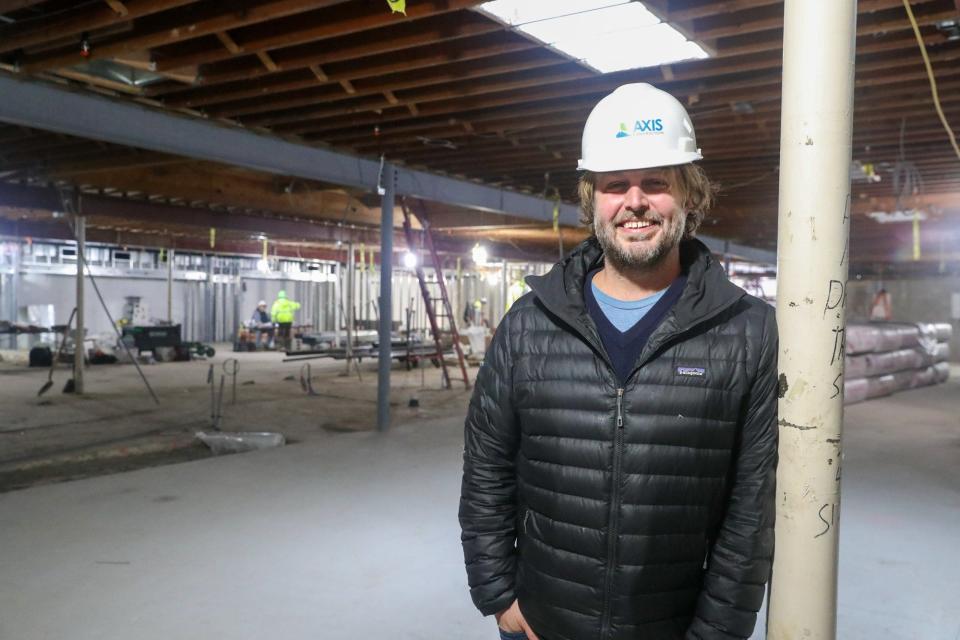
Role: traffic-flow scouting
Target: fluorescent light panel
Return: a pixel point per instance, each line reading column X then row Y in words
column 606, row 35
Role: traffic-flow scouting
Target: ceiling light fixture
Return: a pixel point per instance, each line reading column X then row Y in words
column 479, row 255
column 898, row 216
column 605, row 35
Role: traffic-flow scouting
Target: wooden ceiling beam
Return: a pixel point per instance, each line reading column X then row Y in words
column 400, row 38
column 426, row 57
column 15, row 133
column 717, row 7
column 569, row 74
column 146, row 232
column 773, row 40
column 118, row 7
column 708, row 68
column 228, row 42
column 9, row 6
column 177, row 27
column 515, row 63
column 49, row 147
column 702, row 120
column 598, row 85
column 398, row 82
column 141, row 211
column 46, row 164
column 753, row 23
column 314, row 27
column 766, row 18
column 947, row 201
column 519, row 113
column 756, row 94
column 201, row 182
column 705, row 69
column 494, row 158
column 567, row 127
column 267, row 61
column 102, row 162
column 730, row 149
column 77, row 21
column 32, row 143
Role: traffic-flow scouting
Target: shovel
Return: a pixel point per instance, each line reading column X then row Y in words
column 49, row 383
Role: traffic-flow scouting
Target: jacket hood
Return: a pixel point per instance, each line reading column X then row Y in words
column 707, row 291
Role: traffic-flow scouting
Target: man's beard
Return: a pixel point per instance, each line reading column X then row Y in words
column 640, row 255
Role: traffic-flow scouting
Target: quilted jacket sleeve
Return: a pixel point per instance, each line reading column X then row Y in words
column 740, row 561
column 488, row 493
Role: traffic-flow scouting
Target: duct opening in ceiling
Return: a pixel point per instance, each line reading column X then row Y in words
column 114, row 71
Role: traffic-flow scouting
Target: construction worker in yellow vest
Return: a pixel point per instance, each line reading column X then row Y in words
column 282, row 313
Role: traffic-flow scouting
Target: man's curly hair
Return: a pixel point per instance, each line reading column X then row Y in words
column 689, row 184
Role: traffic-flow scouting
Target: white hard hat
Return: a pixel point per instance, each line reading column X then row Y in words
column 637, row 127
column 262, row 303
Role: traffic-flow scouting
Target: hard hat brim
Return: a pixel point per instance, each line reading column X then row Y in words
column 630, row 161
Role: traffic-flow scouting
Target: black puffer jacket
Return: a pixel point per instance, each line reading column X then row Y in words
column 644, row 512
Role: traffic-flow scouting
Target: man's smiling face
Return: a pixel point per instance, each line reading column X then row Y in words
column 637, row 218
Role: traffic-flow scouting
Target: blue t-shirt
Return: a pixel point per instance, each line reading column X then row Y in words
column 623, row 314
column 625, row 346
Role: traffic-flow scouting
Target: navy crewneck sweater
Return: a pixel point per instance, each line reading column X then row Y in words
column 624, row 347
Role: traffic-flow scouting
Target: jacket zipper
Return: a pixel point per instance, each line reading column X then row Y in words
column 614, row 520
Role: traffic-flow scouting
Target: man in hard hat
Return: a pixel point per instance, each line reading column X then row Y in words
column 262, row 324
column 282, row 313
column 621, row 442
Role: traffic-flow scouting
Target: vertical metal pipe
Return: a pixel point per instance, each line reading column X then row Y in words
column 15, row 290
column 337, row 300
column 458, row 304
column 386, row 302
column 208, row 301
column 236, row 291
column 815, row 150
column 80, row 230
column 504, row 293
column 351, row 320
column 170, row 256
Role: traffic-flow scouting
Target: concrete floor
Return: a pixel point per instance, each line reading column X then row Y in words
column 355, row 535
column 61, row 436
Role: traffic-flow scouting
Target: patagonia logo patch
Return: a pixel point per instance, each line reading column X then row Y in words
column 696, row 372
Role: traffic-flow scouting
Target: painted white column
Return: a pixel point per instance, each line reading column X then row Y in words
column 812, row 256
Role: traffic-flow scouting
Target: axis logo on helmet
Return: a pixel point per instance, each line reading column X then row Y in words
column 654, row 125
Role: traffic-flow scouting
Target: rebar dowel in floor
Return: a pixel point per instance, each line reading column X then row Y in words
column 306, row 380
column 213, row 399
column 219, row 416
column 231, row 366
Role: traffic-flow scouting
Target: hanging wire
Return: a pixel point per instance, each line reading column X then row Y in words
column 751, row 181
column 931, row 77
column 907, row 181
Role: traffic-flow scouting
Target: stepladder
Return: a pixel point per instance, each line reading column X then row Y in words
column 436, row 300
